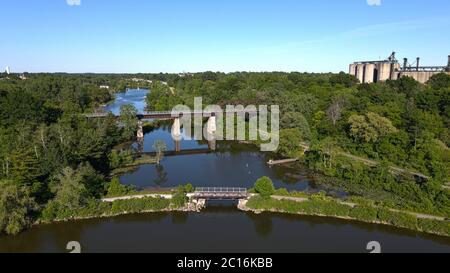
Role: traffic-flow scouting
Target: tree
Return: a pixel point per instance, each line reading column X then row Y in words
column 370, row 128
column 408, row 86
column 160, row 147
column 70, row 195
column 179, row 199
column 334, row 111
column 296, row 120
column 343, row 79
column 92, row 181
column 327, row 149
column 264, row 186
column 115, row 188
column 16, row 207
column 439, row 81
column 290, row 142
column 128, row 118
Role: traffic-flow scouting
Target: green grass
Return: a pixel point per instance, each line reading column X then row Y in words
column 365, row 213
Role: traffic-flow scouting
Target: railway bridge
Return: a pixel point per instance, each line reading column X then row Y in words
column 176, row 117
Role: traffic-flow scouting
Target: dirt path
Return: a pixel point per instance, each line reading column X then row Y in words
column 418, row 215
column 140, row 196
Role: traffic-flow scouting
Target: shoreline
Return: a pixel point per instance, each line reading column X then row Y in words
column 349, row 219
column 189, row 207
column 193, row 207
column 245, row 208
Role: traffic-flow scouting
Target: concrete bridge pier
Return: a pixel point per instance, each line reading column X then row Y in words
column 176, row 129
column 211, row 126
column 212, row 144
column 177, row 145
column 140, row 131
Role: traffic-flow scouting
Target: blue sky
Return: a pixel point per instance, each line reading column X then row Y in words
column 218, row 35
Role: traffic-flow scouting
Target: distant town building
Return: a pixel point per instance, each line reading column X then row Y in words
column 104, row 86
column 185, row 74
column 141, row 80
column 8, row 70
column 23, row 76
column 390, row 69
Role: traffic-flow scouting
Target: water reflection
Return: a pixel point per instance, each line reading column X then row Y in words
column 161, row 178
column 231, row 165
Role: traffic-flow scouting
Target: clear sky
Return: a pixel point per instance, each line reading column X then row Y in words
column 218, row 35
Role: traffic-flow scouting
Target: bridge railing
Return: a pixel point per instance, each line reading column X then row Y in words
column 220, row 190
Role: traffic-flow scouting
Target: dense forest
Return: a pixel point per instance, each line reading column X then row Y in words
column 55, row 161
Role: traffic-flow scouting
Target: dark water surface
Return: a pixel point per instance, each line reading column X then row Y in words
column 220, row 229
column 231, row 165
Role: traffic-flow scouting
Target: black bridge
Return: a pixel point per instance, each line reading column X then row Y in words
column 220, row 193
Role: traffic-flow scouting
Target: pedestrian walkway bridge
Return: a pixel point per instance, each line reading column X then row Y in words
column 220, row 193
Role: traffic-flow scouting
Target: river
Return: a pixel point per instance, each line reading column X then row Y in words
column 220, row 227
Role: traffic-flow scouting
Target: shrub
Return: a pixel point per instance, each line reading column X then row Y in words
column 188, row 188
column 364, row 213
column 179, row 199
column 397, row 218
column 428, row 225
column 264, row 186
column 115, row 188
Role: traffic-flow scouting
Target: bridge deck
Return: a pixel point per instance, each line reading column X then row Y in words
column 220, row 193
column 171, row 114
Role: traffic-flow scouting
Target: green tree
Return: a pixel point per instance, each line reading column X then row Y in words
column 290, row 142
column 179, row 199
column 92, row 181
column 160, row 147
column 128, row 118
column 264, row 186
column 70, row 195
column 16, row 207
column 296, row 120
column 439, row 81
column 343, row 79
column 370, row 128
column 115, row 188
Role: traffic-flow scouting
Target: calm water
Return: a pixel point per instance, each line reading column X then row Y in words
column 219, row 229
column 231, row 165
column 133, row 96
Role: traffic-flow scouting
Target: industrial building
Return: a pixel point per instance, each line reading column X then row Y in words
column 390, row 69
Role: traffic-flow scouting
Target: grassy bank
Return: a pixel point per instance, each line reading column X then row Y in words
column 98, row 209
column 318, row 205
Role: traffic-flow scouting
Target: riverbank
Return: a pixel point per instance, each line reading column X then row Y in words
column 323, row 206
column 130, row 204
